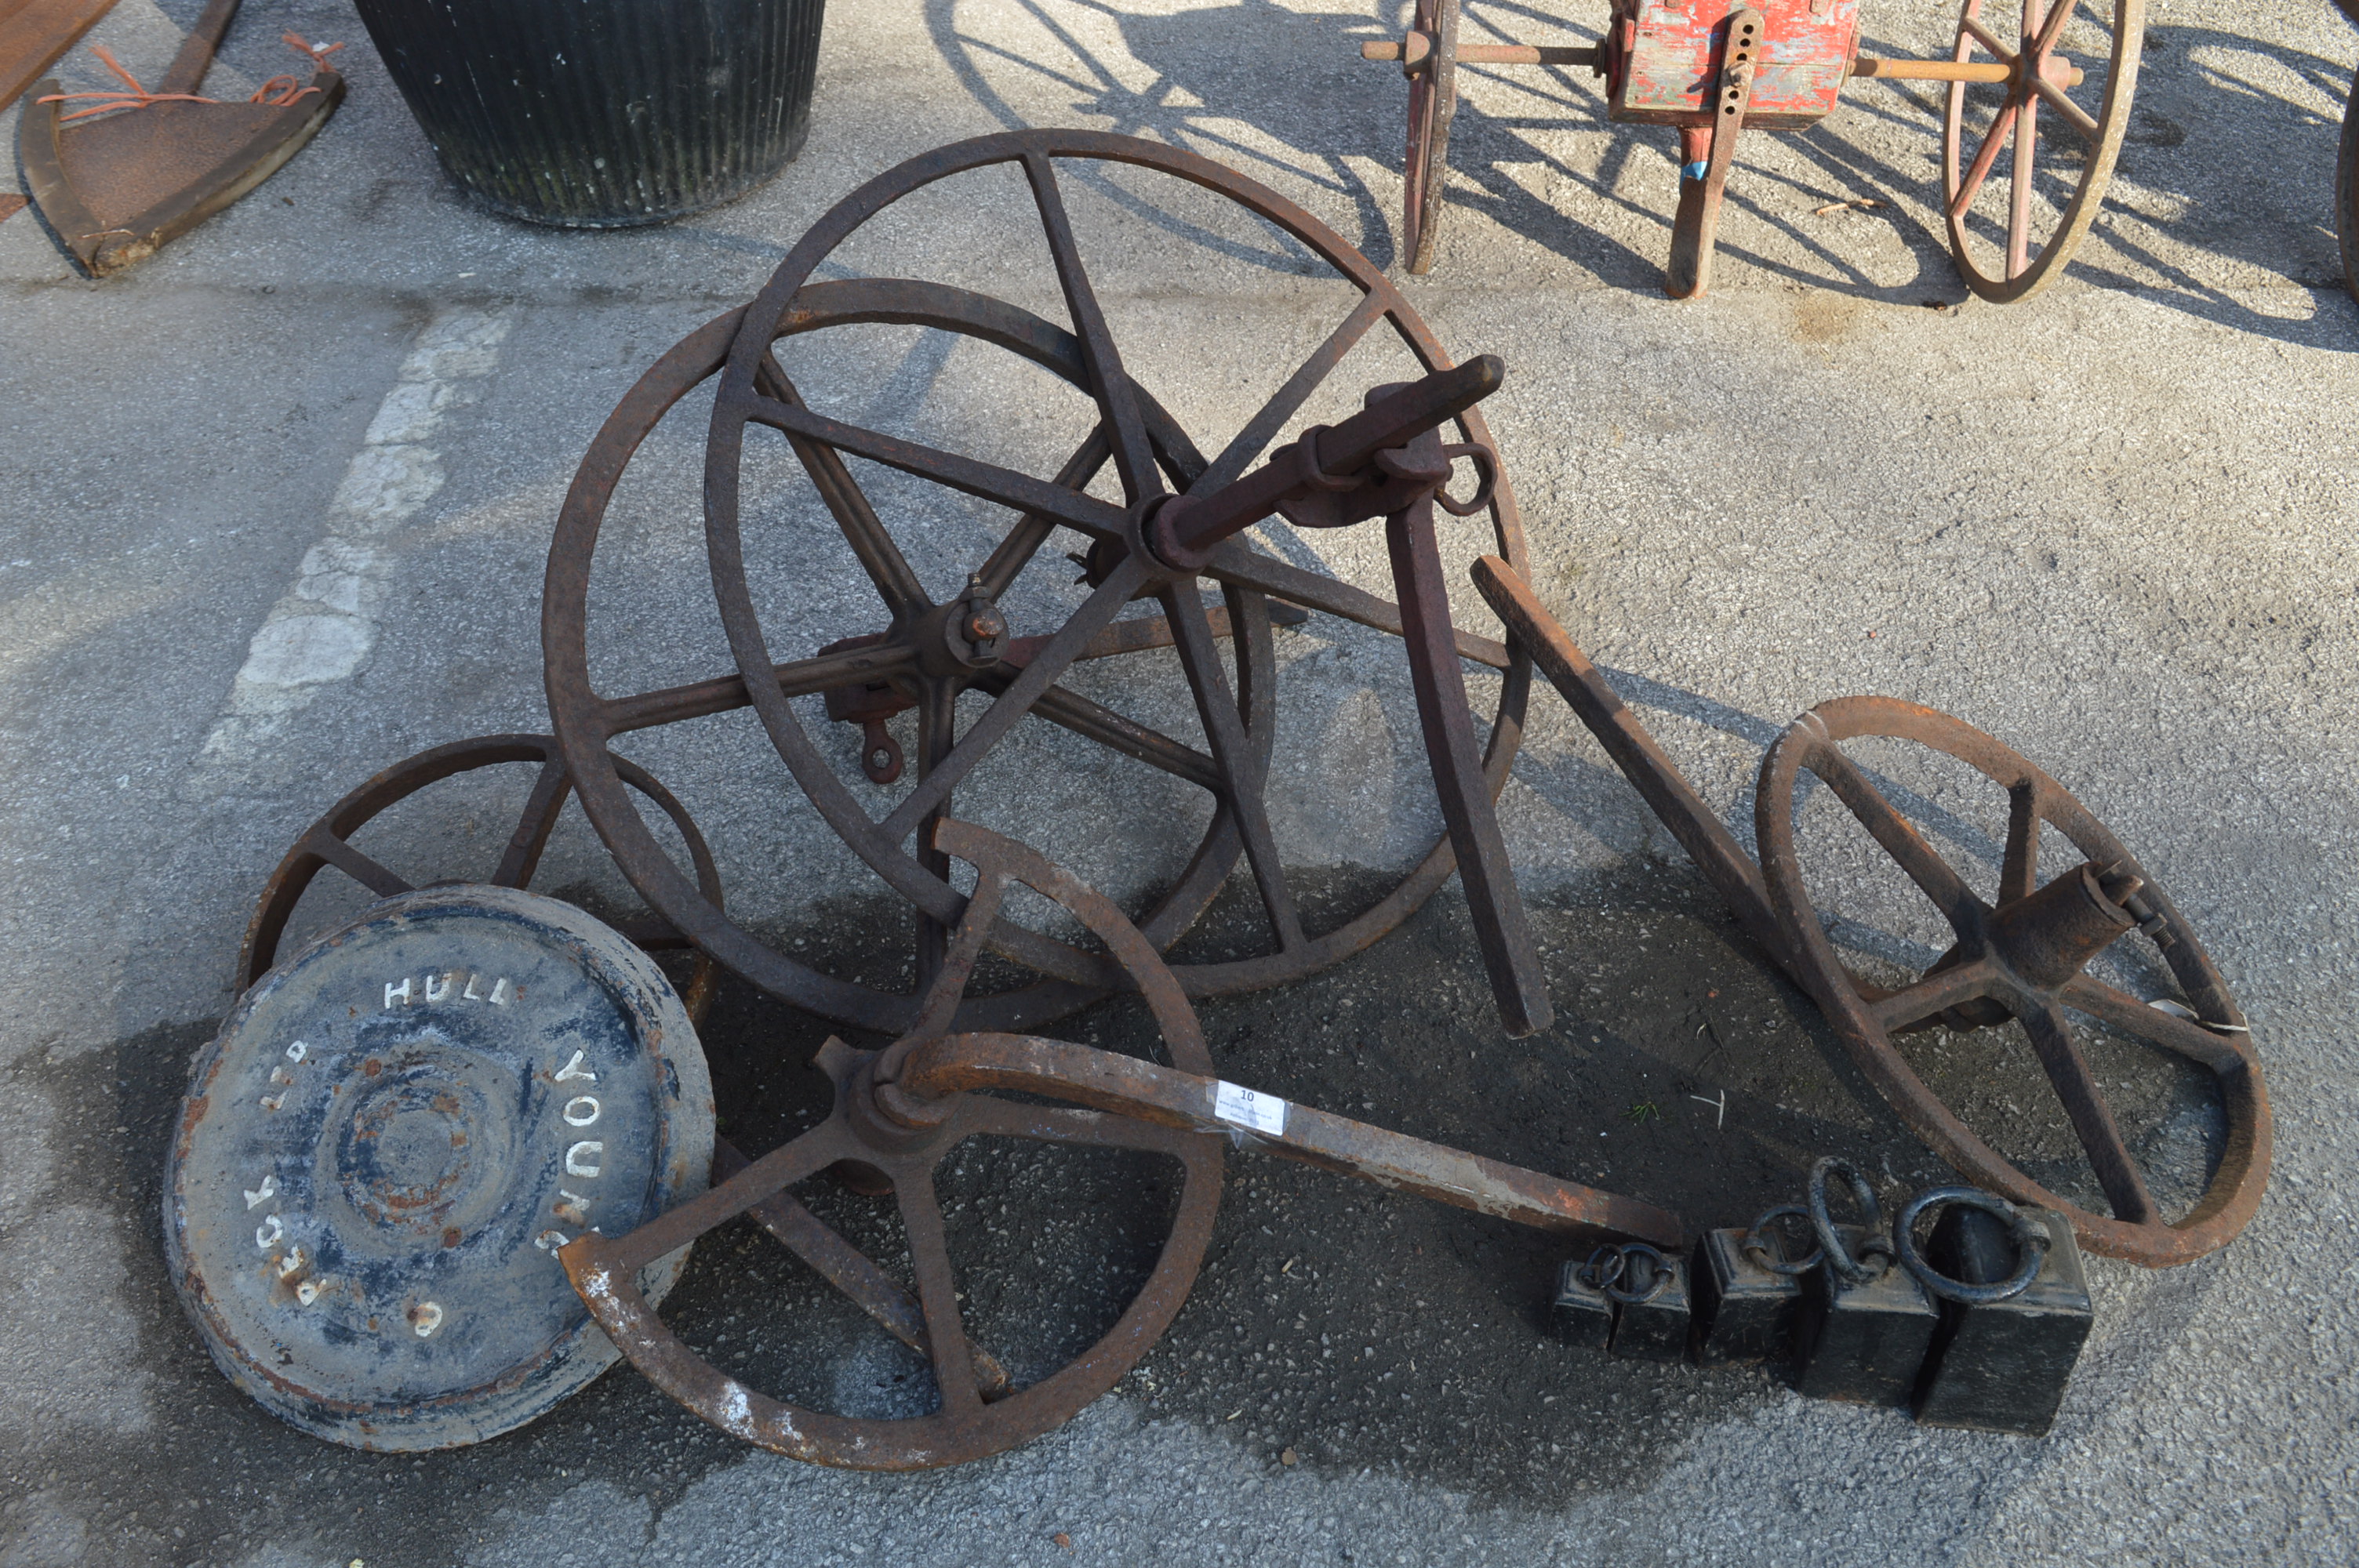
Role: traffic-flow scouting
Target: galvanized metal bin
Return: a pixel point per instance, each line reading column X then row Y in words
column 604, row 113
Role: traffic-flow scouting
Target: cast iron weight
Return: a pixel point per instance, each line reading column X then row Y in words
column 2014, row 1311
column 1746, row 1291
column 1648, row 1289
column 1863, row 1326
column 1581, row 1312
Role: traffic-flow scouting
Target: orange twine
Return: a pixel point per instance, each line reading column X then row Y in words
column 278, row 92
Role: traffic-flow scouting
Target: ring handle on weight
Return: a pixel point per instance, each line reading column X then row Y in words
column 1839, row 1257
column 2030, row 1235
column 1659, row 1273
column 1610, row 1265
column 1760, row 1244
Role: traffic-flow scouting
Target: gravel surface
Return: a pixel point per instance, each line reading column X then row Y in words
column 276, row 506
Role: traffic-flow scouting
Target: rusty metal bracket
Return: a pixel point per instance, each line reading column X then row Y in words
column 1696, row 230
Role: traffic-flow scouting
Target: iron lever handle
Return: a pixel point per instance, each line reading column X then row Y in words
column 1329, row 460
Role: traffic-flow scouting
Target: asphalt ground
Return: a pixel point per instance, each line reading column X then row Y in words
column 277, row 503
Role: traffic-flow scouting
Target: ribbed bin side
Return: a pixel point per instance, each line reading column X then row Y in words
column 601, row 114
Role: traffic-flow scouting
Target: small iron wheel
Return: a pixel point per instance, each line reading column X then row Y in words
column 2023, row 957
column 979, row 1411
column 2012, row 236
column 328, row 842
column 931, row 651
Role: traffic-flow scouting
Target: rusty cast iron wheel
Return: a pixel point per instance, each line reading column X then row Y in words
column 2012, row 236
column 381, row 1153
column 1432, row 103
column 926, row 651
column 328, row 842
column 2022, row 957
column 979, row 1409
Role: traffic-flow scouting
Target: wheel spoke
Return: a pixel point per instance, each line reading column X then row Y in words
column 949, row 983
column 369, row 873
column 2051, row 30
column 2018, row 874
column 1234, row 566
column 802, row 678
column 1094, row 721
column 2018, row 188
column 1047, row 666
column 1901, row 839
column 1134, row 456
column 1935, row 992
column 2093, row 1120
column 929, row 1261
column 1015, row 552
column 937, row 732
column 850, row 1271
column 2076, row 116
column 779, row 1169
column 2180, row 1036
column 878, row 556
column 533, row 825
column 1019, row 491
column 1985, row 38
column 1263, row 426
column 1233, row 751
column 1992, row 141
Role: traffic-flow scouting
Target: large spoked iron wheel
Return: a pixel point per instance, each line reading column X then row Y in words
column 925, row 653
column 2023, row 957
column 979, row 1409
column 2025, row 163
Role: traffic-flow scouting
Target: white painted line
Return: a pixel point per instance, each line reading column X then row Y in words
column 322, row 629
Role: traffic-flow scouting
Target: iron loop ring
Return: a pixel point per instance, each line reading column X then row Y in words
column 1839, row 1257
column 1487, row 462
column 1604, row 1269
column 2031, row 1238
column 1761, row 1245
column 1658, row 1270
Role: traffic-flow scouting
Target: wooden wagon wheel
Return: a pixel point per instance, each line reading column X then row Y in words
column 2023, row 957
column 328, row 843
column 979, row 1408
column 928, row 649
column 2011, row 236
column 2346, row 189
column 1432, row 102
